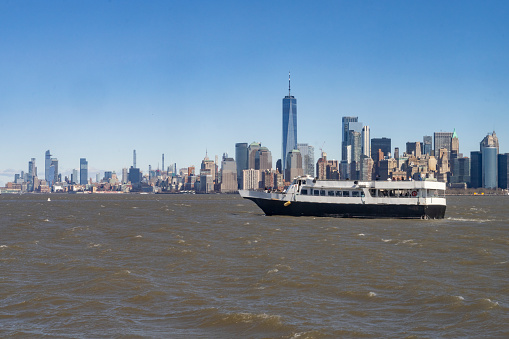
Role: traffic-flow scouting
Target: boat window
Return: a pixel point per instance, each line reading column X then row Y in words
column 355, row 193
column 316, row 192
column 330, row 193
column 304, row 191
column 346, row 193
column 322, row 192
column 339, row 194
column 372, row 192
column 362, row 194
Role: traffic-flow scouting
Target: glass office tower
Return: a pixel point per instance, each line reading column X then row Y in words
column 83, row 171
column 289, row 125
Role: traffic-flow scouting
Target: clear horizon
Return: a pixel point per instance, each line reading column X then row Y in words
column 98, row 79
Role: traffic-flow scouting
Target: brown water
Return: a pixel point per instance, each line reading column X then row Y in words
column 213, row 266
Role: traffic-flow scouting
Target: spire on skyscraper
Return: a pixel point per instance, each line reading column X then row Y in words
column 289, row 83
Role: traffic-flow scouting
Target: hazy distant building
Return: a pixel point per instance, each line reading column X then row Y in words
column 74, row 177
column 289, row 125
column 47, row 164
column 308, row 158
column 32, row 170
column 83, row 171
column 208, row 167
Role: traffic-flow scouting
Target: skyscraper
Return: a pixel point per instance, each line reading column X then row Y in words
column 348, row 124
column 47, row 164
column 503, row 171
column 241, row 158
column 443, row 140
column 228, row 175
column 489, row 159
column 383, row 144
column 293, row 165
column 83, row 171
column 308, row 158
column 289, row 125
column 366, row 145
column 32, row 170
column 427, row 144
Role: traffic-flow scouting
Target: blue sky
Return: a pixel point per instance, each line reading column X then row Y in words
column 97, row 79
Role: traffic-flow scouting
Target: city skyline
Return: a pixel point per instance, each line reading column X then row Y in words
column 96, row 80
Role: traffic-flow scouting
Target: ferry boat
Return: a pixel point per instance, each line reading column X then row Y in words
column 307, row 196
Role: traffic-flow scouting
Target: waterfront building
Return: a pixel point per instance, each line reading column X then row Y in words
column 241, row 159
column 289, row 126
column 83, row 171
column 308, row 158
column 475, row 169
column 489, row 167
column 251, row 179
column 503, row 171
column 462, row 170
column 228, row 175
column 489, row 161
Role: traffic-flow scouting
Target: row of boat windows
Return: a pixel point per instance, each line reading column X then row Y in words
column 305, row 191
column 372, row 192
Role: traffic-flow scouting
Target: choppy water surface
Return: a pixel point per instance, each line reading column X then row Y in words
column 213, row 266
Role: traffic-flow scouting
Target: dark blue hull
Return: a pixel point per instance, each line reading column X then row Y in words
column 277, row 207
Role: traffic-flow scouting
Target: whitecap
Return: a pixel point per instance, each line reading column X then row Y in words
column 361, row 234
column 274, row 270
column 372, row 294
column 139, row 236
column 46, row 219
column 3, row 246
column 459, row 297
column 386, row 240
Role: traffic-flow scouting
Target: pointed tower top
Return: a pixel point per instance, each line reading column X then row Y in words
column 289, row 83
column 454, row 135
